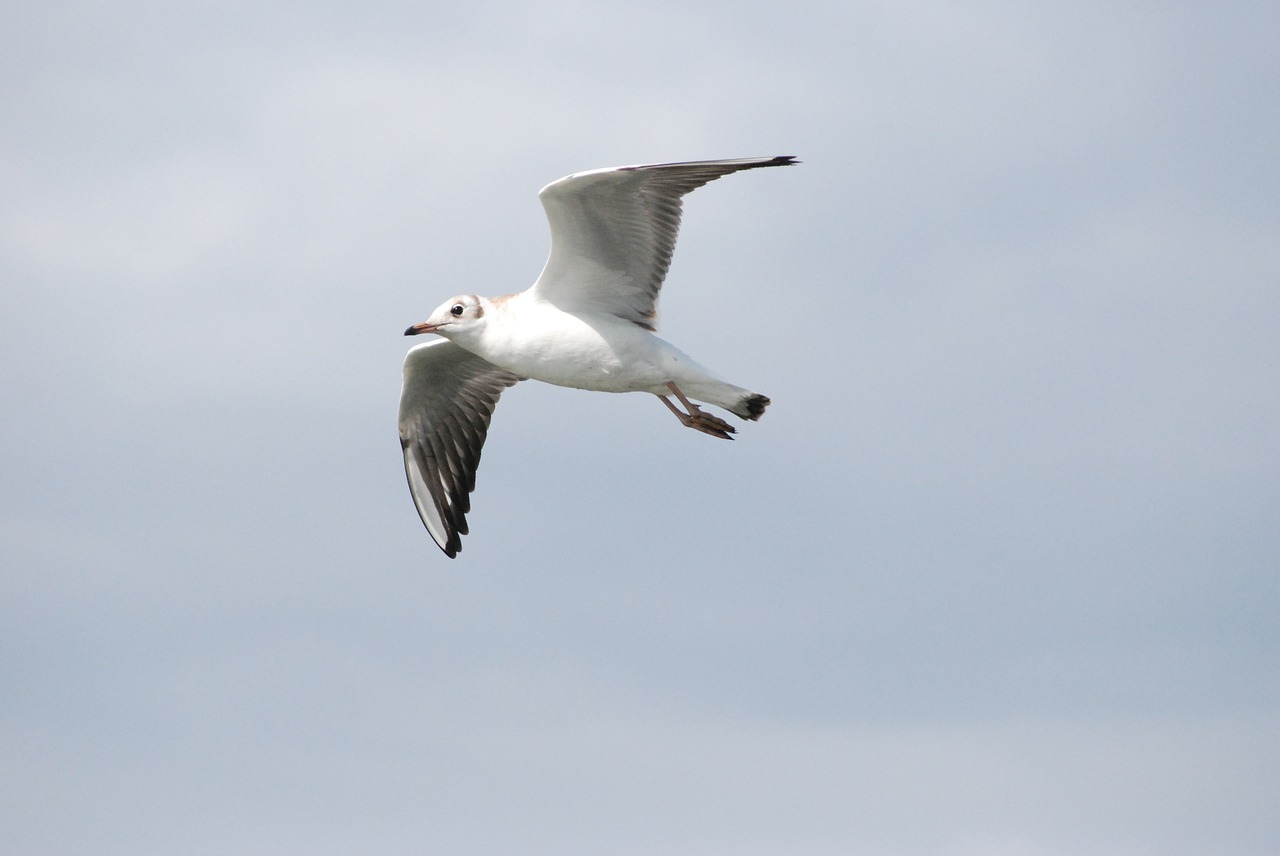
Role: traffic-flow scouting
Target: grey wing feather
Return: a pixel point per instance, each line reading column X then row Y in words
column 448, row 399
column 613, row 232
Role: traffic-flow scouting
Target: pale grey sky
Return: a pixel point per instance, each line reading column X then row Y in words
column 996, row 574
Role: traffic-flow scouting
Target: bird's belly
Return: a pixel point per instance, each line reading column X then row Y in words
column 582, row 355
column 594, row 368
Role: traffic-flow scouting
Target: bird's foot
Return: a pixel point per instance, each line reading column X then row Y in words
column 697, row 418
column 703, row 421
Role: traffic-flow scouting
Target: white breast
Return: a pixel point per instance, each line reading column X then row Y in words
column 534, row 339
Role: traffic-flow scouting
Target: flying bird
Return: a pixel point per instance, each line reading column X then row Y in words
column 588, row 323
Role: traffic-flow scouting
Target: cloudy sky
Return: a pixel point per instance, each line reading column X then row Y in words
column 996, row 574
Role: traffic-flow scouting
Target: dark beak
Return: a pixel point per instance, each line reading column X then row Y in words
column 424, row 327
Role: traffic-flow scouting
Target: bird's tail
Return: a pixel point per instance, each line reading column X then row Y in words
column 754, row 405
column 740, row 402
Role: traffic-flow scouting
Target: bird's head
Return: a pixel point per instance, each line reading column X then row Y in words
column 457, row 315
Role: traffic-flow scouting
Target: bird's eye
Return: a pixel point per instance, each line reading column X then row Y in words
column 457, row 309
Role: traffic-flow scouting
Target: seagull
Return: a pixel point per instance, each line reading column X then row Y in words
column 588, row 322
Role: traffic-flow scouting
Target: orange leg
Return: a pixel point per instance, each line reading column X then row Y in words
column 696, row 417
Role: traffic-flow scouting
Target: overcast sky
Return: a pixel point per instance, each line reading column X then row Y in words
column 996, row 574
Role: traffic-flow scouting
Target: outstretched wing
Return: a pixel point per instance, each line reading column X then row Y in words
column 613, row 232
column 445, row 406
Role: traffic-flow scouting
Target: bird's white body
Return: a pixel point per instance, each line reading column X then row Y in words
column 587, row 323
column 535, row 339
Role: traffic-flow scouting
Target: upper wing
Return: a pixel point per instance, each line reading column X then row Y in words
column 445, row 406
column 613, row 232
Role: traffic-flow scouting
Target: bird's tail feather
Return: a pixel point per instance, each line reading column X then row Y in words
column 740, row 402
